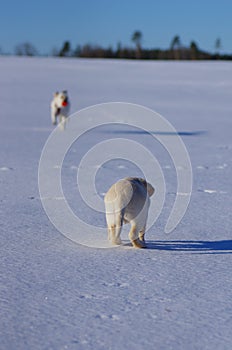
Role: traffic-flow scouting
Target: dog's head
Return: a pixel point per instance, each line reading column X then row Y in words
column 61, row 99
column 150, row 189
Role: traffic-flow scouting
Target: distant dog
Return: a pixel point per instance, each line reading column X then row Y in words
column 60, row 107
column 128, row 201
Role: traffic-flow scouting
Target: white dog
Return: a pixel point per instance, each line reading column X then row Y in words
column 128, row 201
column 60, row 107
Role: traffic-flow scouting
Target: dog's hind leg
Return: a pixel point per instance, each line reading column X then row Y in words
column 114, row 234
column 115, row 230
column 134, row 237
column 53, row 118
column 142, row 235
column 62, row 123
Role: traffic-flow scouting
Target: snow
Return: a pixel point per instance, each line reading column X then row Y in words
column 57, row 294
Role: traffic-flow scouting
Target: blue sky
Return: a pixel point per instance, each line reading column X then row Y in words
column 48, row 23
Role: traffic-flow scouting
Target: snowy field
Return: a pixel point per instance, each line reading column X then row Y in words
column 57, row 294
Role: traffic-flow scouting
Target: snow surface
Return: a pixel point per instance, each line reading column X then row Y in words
column 56, row 294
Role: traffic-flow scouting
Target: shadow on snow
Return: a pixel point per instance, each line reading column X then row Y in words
column 202, row 247
column 165, row 133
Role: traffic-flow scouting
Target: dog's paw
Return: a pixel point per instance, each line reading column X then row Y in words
column 117, row 242
column 138, row 244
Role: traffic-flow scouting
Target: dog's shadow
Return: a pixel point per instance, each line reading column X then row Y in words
column 202, row 247
column 158, row 133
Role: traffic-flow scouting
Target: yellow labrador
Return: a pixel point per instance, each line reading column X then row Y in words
column 128, row 201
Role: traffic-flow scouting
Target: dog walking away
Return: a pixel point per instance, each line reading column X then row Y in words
column 60, row 107
column 128, row 201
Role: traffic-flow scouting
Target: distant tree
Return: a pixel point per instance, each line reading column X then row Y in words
column 175, row 43
column 86, row 51
column 119, row 50
column 175, row 47
column 137, row 39
column 109, row 52
column 65, row 50
column 194, row 50
column 25, row 49
column 218, row 45
column 77, row 51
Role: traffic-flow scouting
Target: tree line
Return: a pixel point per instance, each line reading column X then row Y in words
column 176, row 50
